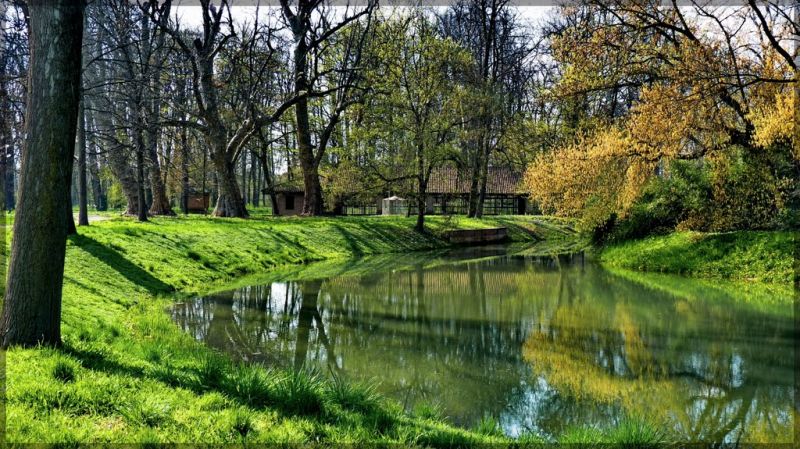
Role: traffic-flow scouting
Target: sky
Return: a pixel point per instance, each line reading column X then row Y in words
column 190, row 15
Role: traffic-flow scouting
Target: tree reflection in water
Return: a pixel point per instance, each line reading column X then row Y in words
column 541, row 344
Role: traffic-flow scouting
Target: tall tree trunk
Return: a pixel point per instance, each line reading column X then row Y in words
column 83, row 213
column 160, row 204
column 32, row 309
column 422, row 189
column 267, row 165
column 126, row 175
column 229, row 197
column 141, row 211
column 5, row 130
column 98, row 194
column 484, row 175
column 255, row 168
column 10, row 176
column 312, row 200
column 244, row 176
column 474, row 185
column 5, row 109
column 185, row 172
column 117, row 156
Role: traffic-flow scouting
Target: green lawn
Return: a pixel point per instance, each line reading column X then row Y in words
column 762, row 256
column 126, row 373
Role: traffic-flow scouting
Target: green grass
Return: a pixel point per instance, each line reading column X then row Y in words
column 628, row 434
column 127, row 374
column 746, row 255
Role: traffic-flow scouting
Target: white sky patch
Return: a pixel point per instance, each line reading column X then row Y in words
column 190, row 16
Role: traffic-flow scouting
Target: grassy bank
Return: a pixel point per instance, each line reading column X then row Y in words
column 747, row 255
column 127, row 374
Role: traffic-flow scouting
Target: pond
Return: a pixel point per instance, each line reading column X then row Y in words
column 539, row 344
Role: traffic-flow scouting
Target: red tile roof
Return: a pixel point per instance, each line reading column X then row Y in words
column 500, row 181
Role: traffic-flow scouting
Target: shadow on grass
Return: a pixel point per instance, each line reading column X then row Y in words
column 120, row 264
column 353, row 242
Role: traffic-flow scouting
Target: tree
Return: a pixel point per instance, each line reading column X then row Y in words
column 416, row 110
column 499, row 46
column 32, row 309
column 226, row 139
column 692, row 96
column 342, row 79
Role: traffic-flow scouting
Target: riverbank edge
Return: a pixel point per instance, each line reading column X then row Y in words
column 767, row 257
column 127, row 374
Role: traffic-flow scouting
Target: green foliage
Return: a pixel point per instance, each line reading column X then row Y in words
column 729, row 193
column 667, row 201
column 419, row 100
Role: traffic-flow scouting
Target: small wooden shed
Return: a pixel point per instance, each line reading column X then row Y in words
column 198, row 203
column 290, row 200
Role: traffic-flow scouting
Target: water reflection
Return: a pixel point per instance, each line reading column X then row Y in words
column 540, row 343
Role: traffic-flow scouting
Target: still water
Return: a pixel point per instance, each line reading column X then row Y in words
column 540, row 344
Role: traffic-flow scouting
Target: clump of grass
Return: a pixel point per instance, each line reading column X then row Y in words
column 630, row 433
column 211, row 373
column 242, row 422
column 530, row 440
column 587, row 437
column 444, row 438
column 351, row 395
column 299, row 392
column 64, row 371
column 149, row 412
column 635, row 433
column 249, row 384
column 428, row 410
column 488, row 426
column 169, row 375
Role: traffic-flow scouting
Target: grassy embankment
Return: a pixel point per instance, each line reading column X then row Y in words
column 761, row 256
column 126, row 373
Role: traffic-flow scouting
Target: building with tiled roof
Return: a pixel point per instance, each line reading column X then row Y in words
column 448, row 192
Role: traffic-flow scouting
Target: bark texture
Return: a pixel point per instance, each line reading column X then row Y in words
column 83, row 210
column 32, row 310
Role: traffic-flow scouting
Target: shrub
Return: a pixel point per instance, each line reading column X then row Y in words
column 681, row 195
